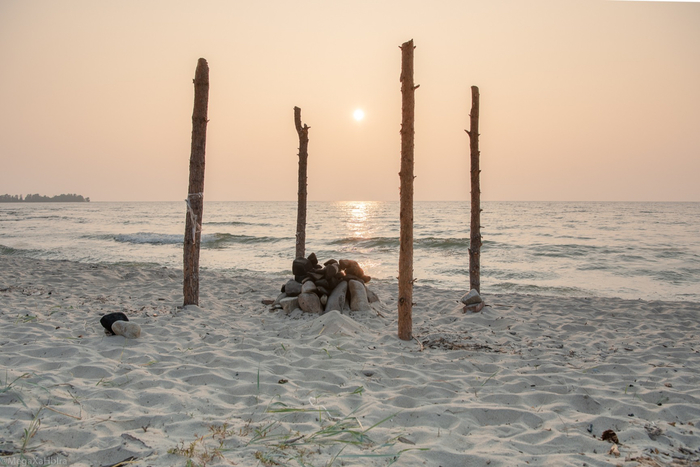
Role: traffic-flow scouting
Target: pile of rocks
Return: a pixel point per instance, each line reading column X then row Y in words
column 335, row 285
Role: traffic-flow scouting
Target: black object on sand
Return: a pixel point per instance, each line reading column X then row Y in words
column 108, row 320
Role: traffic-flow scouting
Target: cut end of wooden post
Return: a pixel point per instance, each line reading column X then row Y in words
column 202, row 73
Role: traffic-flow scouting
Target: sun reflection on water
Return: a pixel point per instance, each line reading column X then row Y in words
column 357, row 221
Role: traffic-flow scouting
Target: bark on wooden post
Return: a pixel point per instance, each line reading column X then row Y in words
column 475, row 229
column 195, row 193
column 301, row 193
column 405, row 304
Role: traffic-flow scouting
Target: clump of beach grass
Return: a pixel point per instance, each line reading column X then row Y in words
column 334, row 436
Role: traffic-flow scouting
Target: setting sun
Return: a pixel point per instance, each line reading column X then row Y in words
column 359, row 114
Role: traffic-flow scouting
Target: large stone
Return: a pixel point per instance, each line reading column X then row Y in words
column 301, row 266
column 308, row 287
column 292, row 288
column 310, row 303
column 289, row 304
column 109, row 319
column 313, row 259
column 471, row 298
column 331, row 270
column 127, row 329
column 336, row 300
column 358, row 296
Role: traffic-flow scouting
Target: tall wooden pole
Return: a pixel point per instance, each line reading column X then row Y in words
column 195, row 193
column 301, row 193
column 406, row 193
column 475, row 229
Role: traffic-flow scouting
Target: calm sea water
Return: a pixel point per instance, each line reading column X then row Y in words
column 628, row 250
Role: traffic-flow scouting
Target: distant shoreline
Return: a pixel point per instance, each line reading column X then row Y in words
column 36, row 198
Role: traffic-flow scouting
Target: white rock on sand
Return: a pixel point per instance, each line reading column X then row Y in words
column 520, row 383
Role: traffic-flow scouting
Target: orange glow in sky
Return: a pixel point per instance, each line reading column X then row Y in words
column 580, row 100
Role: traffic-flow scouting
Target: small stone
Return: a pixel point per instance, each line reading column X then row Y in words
column 336, row 300
column 277, row 300
column 330, row 271
column 127, row 329
column 107, row 320
column 289, row 304
column 475, row 308
column 292, row 288
column 351, row 267
column 313, row 259
column 330, row 261
column 371, row 295
column 358, row 296
column 324, row 300
column 308, row 287
column 471, row 298
column 310, row 303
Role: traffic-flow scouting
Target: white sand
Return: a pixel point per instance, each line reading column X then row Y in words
column 520, row 383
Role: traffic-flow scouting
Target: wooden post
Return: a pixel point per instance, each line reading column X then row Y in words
column 195, row 193
column 475, row 229
column 301, row 193
column 406, row 194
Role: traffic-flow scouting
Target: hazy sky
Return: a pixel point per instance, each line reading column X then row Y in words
column 580, row 100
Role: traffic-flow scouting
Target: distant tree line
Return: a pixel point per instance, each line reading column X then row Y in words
column 36, row 198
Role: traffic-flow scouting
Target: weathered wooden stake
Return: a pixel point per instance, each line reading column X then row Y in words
column 406, row 193
column 301, row 193
column 475, row 229
column 195, row 193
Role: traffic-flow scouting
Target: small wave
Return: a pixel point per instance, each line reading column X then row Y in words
column 149, row 238
column 371, row 242
column 237, row 223
column 220, row 240
column 393, row 242
column 567, row 250
column 215, row 240
column 6, row 250
column 443, row 243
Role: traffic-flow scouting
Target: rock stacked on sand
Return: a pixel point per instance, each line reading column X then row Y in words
column 335, row 285
column 118, row 323
column 472, row 301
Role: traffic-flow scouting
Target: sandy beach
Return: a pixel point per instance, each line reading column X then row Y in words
column 530, row 380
